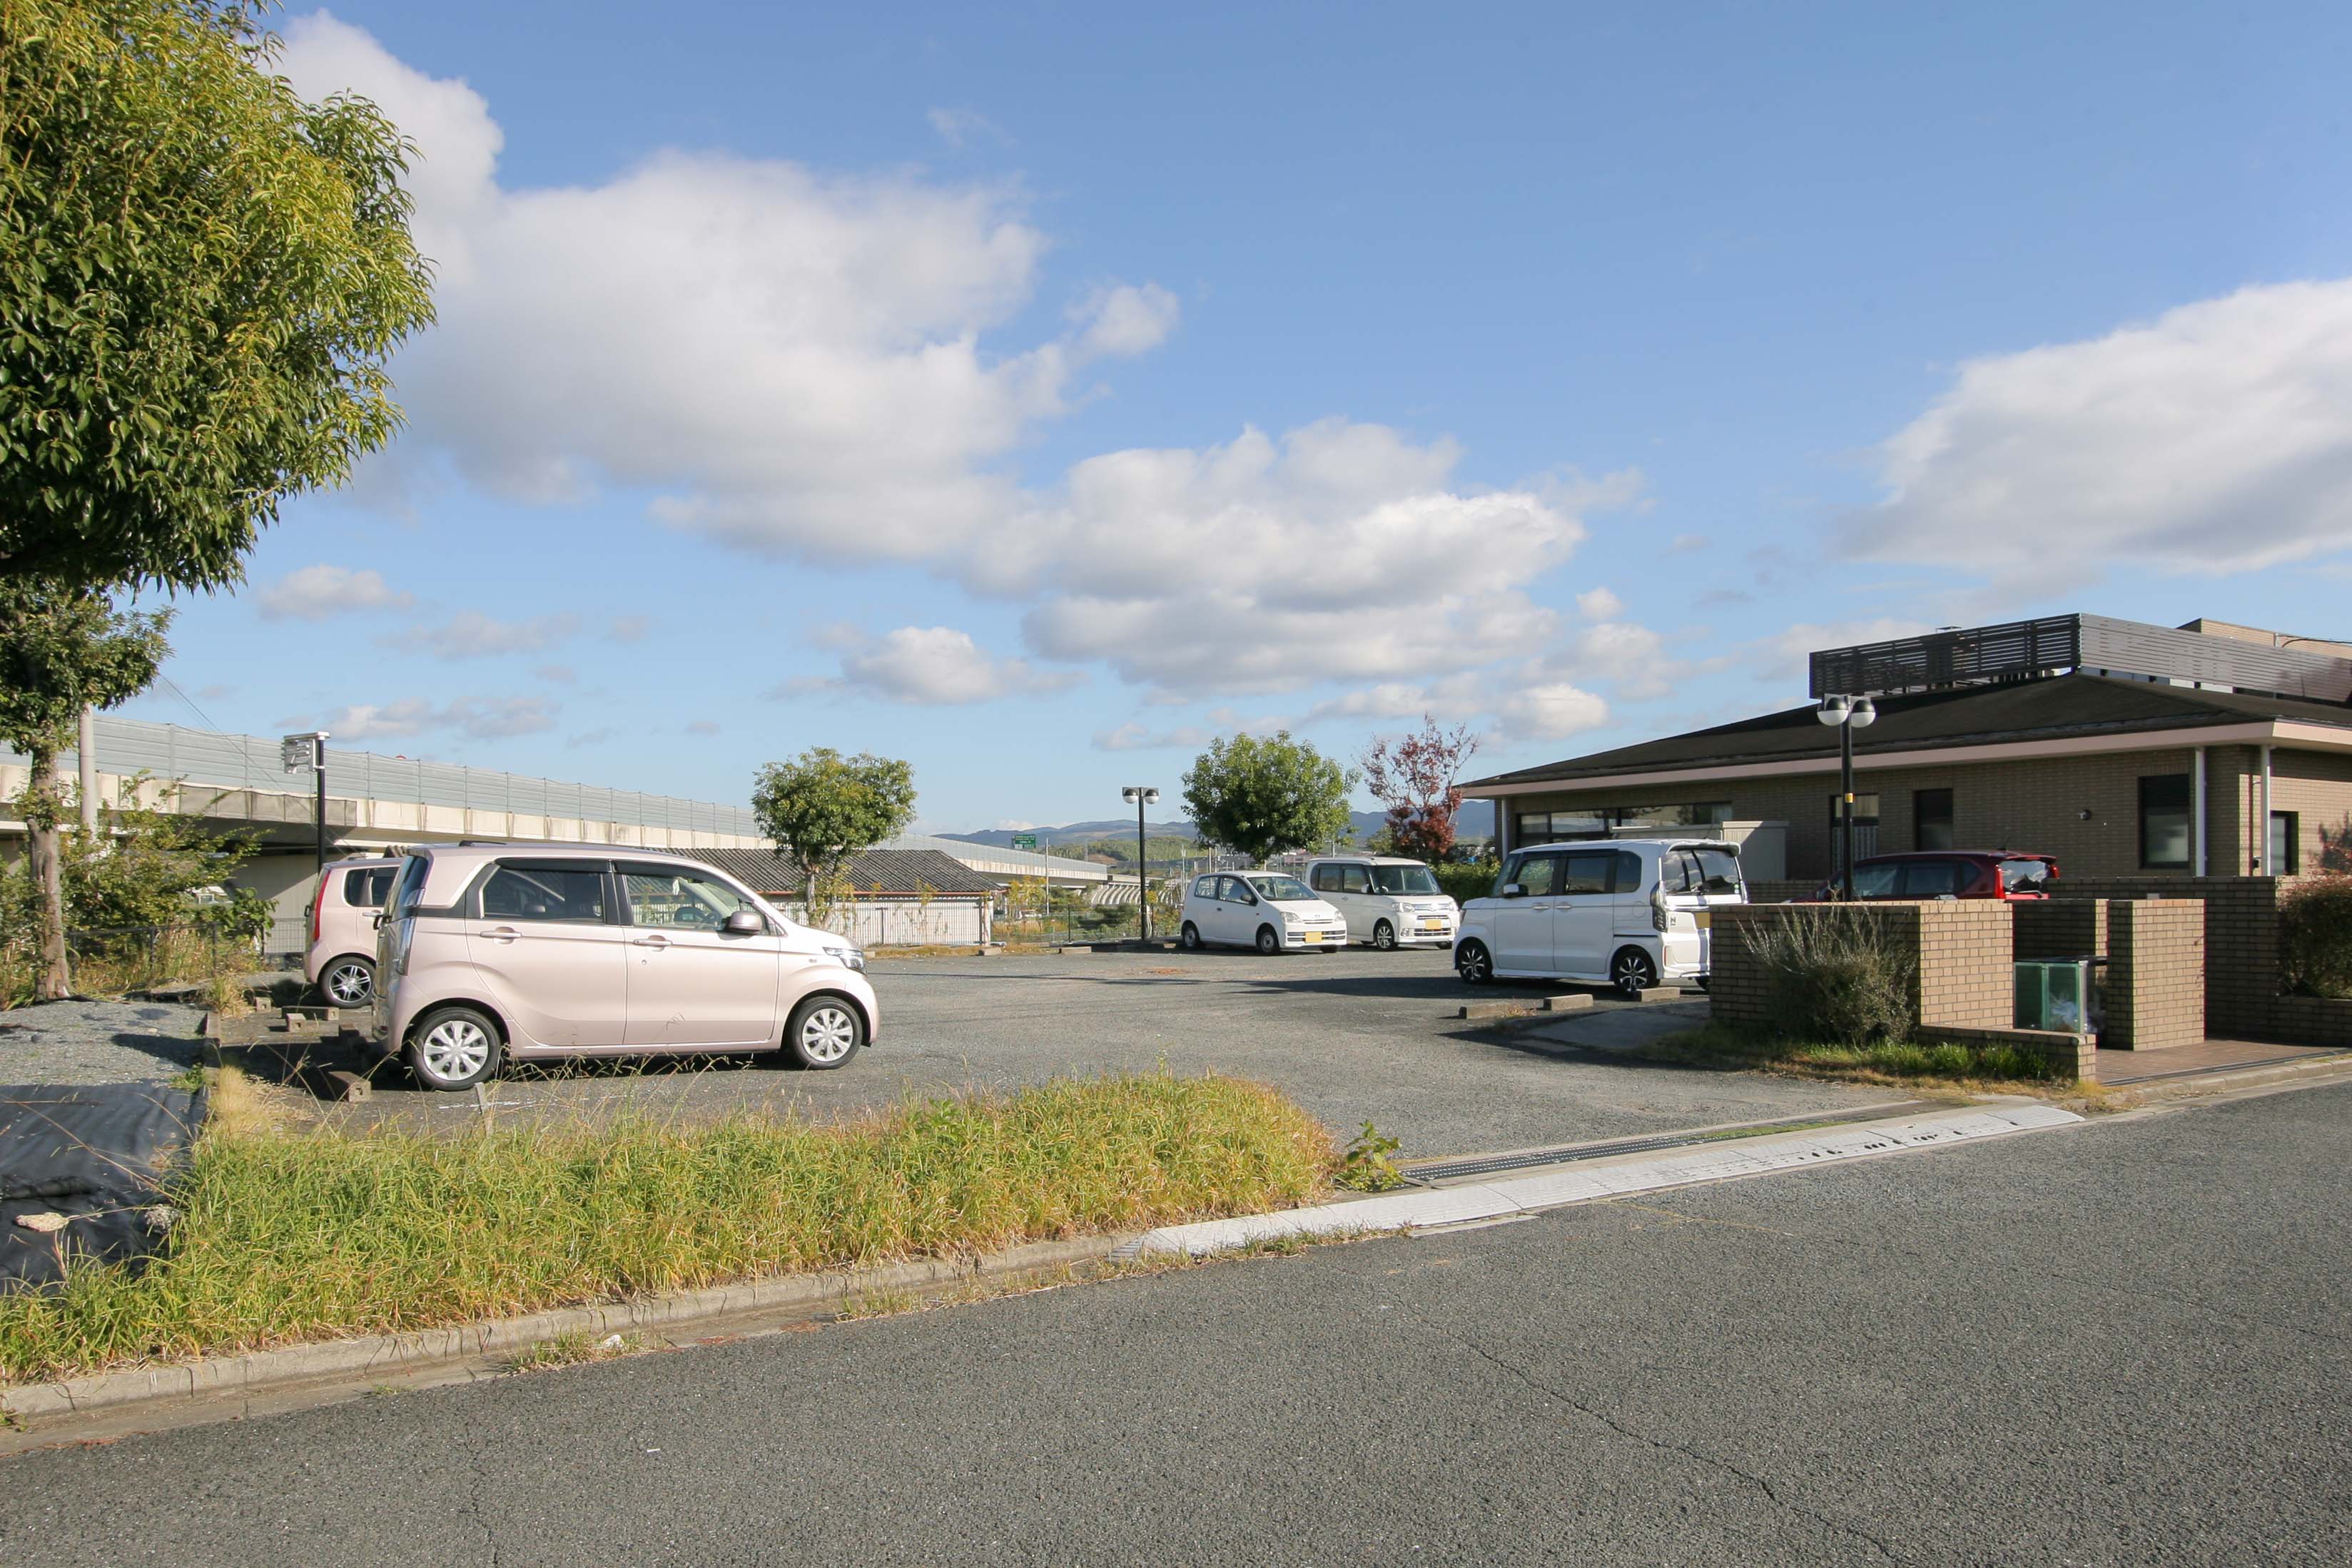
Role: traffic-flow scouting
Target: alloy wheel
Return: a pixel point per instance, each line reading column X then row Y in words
column 1384, row 936
column 348, row 982
column 1474, row 964
column 1635, row 972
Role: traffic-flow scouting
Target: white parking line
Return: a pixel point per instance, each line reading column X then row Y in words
column 1725, row 1161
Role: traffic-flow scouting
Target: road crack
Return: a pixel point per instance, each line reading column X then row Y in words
column 1760, row 1483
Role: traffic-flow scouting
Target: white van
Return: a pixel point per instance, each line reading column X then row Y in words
column 1631, row 913
column 1389, row 902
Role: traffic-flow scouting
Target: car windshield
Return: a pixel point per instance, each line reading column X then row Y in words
column 1281, row 889
column 1877, row 880
column 1404, row 878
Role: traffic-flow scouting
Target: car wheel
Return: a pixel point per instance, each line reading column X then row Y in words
column 1384, row 936
column 348, row 982
column 1632, row 970
column 455, row 1048
column 1473, row 963
column 1270, row 940
column 824, row 1033
column 1190, row 939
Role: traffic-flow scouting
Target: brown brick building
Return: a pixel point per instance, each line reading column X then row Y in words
column 2123, row 749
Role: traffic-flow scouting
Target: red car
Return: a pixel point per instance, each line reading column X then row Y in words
column 1950, row 873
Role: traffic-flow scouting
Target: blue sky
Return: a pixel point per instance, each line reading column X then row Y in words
column 1033, row 392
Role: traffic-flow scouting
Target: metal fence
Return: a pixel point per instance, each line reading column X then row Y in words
column 251, row 762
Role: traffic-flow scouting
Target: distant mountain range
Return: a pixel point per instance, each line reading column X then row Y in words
column 1476, row 821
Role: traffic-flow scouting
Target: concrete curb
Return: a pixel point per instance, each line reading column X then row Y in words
column 2222, row 1079
column 1605, row 1178
column 350, row 1360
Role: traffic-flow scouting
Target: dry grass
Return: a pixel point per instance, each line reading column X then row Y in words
column 287, row 1236
column 1951, row 1067
column 572, row 1349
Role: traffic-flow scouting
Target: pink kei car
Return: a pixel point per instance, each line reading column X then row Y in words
column 537, row 951
column 341, row 956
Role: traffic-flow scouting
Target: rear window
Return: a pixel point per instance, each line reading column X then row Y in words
column 1718, row 870
column 1936, row 879
column 412, row 884
column 368, row 889
column 2024, row 876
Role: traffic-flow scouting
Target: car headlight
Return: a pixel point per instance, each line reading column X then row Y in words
column 847, row 957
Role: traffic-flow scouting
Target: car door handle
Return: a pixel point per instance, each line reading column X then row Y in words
column 502, row 934
column 650, row 941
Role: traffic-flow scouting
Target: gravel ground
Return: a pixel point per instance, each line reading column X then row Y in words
column 98, row 1043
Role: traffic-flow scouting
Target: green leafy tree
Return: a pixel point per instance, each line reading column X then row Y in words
column 1261, row 796
column 62, row 649
column 202, row 279
column 821, row 808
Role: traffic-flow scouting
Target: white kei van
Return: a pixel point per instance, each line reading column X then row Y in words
column 1389, row 902
column 1631, row 913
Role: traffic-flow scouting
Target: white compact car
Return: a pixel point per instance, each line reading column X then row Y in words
column 1261, row 909
column 1630, row 914
column 341, row 960
column 1388, row 902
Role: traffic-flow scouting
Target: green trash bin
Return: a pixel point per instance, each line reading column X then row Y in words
column 2054, row 994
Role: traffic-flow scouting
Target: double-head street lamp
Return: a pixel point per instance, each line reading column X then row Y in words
column 1849, row 714
column 300, row 751
column 1142, row 795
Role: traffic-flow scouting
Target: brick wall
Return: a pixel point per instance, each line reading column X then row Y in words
column 2156, row 973
column 1965, row 980
column 2038, row 805
column 2071, row 928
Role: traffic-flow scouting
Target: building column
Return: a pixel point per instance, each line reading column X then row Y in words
column 2197, row 816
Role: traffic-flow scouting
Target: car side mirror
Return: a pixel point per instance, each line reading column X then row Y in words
column 1514, row 890
column 743, row 923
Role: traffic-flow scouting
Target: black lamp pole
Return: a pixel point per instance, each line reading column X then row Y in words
column 1845, row 806
column 1142, row 795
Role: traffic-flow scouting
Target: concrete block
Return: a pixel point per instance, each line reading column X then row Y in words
column 1494, row 1010
column 338, row 1084
column 1660, row 994
column 1567, row 1002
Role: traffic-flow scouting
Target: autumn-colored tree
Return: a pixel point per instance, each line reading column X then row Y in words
column 1414, row 778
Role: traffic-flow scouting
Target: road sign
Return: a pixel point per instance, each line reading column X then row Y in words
column 1024, row 841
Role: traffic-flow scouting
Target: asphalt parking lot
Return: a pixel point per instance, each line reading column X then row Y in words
column 1354, row 1036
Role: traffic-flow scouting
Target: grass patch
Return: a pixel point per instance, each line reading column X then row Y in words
column 1883, row 1061
column 284, row 1237
column 570, row 1349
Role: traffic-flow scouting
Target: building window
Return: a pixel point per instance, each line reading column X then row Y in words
column 2164, row 821
column 2280, row 858
column 1601, row 822
column 1931, row 818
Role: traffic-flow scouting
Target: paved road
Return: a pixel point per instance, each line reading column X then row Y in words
column 1354, row 1035
column 2122, row 1344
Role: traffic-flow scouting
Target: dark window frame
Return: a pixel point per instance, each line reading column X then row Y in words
column 2167, row 784
column 1922, row 802
column 2290, row 863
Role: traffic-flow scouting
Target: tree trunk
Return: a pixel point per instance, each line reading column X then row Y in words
column 56, row 980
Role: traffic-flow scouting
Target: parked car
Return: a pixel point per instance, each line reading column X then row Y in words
column 530, row 951
column 1630, row 913
column 1387, row 901
column 1268, row 910
column 1949, row 873
column 341, row 958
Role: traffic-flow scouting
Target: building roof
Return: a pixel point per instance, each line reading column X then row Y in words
column 906, row 872
column 2059, row 708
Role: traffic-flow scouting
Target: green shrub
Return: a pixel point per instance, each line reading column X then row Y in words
column 1836, row 974
column 2316, row 938
column 1468, row 880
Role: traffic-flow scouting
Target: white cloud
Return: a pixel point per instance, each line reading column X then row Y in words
column 702, row 726
column 2212, row 439
column 470, row 635
column 482, row 718
column 1124, row 321
column 925, row 665
column 961, row 126
column 1683, row 544
column 790, row 360
column 1779, row 657
column 1600, row 604
column 321, row 592
column 1525, row 701
column 1138, row 737
column 562, row 673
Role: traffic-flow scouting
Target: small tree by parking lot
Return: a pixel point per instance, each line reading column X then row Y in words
column 2316, row 936
column 1264, row 795
column 821, row 808
column 1414, row 777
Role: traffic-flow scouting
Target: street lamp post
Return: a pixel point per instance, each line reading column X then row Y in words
column 1142, row 795
column 300, row 751
column 1849, row 714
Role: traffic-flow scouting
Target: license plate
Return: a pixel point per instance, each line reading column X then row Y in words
column 1310, row 937
column 1432, row 926
column 1703, row 919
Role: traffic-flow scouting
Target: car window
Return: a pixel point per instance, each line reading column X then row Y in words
column 1359, row 879
column 367, row 888
column 1205, row 887
column 542, row 893
column 1587, row 871
column 413, row 872
column 2024, row 876
column 1677, row 872
column 679, row 901
column 1325, row 879
column 1718, row 870
column 1934, row 879
column 1232, row 890
column 1413, row 880
column 1877, row 880
column 1282, row 889
column 1630, row 876
column 1539, row 874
